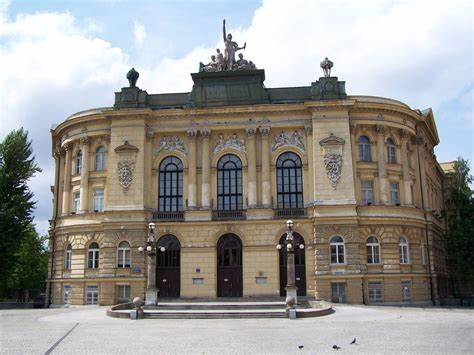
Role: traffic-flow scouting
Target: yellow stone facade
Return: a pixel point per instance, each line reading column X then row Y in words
column 136, row 135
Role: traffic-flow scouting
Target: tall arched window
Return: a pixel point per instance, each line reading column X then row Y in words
column 123, row 255
column 229, row 183
column 364, row 149
column 170, row 197
column 404, row 255
column 373, row 250
column 289, row 181
column 93, row 256
column 100, row 159
column 337, row 250
column 391, row 151
column 68, row 258
column 78, row 162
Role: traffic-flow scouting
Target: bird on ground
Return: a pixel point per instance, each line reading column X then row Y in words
column 300, row 347
column 335, row 347
column 353, row 341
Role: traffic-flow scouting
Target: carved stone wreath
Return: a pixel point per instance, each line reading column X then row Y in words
column 294, row 139
column 169, row 144
column 232, row 141
column 125, row 173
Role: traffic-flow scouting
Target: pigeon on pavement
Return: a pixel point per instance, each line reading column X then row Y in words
column 353, row 341
column 335, row 347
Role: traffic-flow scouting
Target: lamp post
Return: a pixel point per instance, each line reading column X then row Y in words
column 290, row 245
column 150, row 248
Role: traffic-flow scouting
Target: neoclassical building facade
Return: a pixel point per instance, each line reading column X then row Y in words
column 220, row 169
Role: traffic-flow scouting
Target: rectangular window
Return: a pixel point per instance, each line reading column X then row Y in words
column 123, row 293
column 68, row 259
column 403, row 254
column 92, row 294
column 394, row 193
column 406, row 291
column 76, row 200
column 423, row 254
column 66, row 294
column 367, row 192
column 98, row 200
column 337, row 254
column 375, row 292
column 338, row 292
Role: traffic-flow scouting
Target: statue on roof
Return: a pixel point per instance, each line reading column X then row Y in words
column 326, row 65
column 132, row 77
column 231, row 48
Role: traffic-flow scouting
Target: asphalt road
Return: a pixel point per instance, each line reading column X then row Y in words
column 379, row 330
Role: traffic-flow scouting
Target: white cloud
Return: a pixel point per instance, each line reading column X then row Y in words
column 139, row 33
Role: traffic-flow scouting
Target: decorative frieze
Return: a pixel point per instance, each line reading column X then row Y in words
column 170, row 144
column 233, row 142
column 333, row 153
column 294, row 139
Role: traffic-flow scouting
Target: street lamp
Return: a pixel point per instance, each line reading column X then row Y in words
column 290, row 245
column 150, row 248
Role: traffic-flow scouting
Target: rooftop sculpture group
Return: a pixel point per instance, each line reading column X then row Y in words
column 227, row 61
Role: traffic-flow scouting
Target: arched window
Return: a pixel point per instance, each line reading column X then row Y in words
column 373, row 250
column 93, row 256
column 100, row 159
column 289, row 181
column 391, row 151
column 404, row 255
column 337, row 250
column 364, row 149
column 68, row 258
column 229, row 183
column 123, row 255
column 170, row 197
column 78, row 162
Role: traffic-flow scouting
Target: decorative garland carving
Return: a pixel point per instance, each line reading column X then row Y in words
column 232, row 141
column 170, row 144
column 295, row 139
column 332, row 147
column 125, row 173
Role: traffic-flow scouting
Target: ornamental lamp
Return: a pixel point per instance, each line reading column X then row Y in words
column 140, row 249
column 289, row 224
column 151, row 226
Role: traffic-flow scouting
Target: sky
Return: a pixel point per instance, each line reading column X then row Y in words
column 60, row 57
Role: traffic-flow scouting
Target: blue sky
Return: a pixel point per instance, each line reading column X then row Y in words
column 59, row 57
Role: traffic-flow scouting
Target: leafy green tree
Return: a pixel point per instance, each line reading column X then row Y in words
column 17, row 166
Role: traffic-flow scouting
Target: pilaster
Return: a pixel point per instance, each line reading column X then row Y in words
column 383, row 181
column 67, row 179
column 192, row 168
column 266, row 180
column 84, row 188
column 405, row 168
column 252, row 168
column 206, row 170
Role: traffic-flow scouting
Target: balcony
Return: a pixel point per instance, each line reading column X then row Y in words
column 234, row 215
column 175, row 216
column 283, row 213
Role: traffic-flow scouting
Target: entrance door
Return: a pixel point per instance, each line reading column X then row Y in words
column 300, row 268
column 168, row 267
column 229, row 266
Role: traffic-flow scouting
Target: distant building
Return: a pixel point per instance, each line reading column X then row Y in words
column 221, row 168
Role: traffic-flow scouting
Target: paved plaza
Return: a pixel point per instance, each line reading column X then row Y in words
column 379, row 330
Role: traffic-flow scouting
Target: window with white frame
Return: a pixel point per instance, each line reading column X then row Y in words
column 78, row 163
column 375, row 292
column 373, row 250
column 92, row 294
column 364, row 149
column 367, row 192
column 68, row 258
column 394, row 193
column 338, row 292
column 93, row 256
column 406, row 291
column 391, row 152
column 66, row 294
column 123, row 255
column 404, row 255
column 337, row 250
column 123, row 294
column 76, row 201
column 98, row 200
column 100, row 159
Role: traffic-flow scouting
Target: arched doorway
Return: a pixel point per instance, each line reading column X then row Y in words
column 229, row 266
column 300, row 268
column 168, row 266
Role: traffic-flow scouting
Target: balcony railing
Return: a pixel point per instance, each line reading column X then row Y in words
column 290, row 213
column 175, row 216
column 235, row 215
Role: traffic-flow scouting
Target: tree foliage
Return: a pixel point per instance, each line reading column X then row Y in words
column 17, row 167
column 460, row 216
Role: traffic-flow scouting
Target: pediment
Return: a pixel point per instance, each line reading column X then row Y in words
column 126, row 147
column 332, row 140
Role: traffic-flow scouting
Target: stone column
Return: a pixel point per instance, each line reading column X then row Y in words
column 206, row 170
column 67, row 179
column 57, row 171
column 148, row 167
column 84, row 188
column 266, row 181
column 405, row 168
column 423, row 182
column 309, row 184
column 252, row 168
column 192, row 169
column 383, row 181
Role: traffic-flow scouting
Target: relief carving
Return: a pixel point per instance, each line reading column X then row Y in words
column 295, row 139
column 170, row 144
column 332, row 154
column 125, row 173
column 232, row 141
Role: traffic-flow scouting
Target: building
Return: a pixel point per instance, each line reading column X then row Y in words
column 221, row 168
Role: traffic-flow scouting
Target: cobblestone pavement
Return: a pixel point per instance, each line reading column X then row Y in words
column 379, row 330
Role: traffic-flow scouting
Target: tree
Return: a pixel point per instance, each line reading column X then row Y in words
column 460, row 217
column 17, row 166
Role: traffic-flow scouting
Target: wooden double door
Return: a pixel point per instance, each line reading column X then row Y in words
column 229, row 266
column 168, row 262
column 300, row 268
